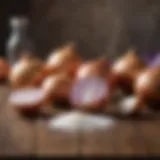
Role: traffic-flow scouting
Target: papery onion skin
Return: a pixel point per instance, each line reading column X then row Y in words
column 125, row 70
column 57, row 87
column 4, row 69
column 78, row 90
column 65, row 59
column 147, row 86
column 97, row 67
column 26, row 72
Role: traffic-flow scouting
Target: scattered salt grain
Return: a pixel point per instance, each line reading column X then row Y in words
column 75, row 120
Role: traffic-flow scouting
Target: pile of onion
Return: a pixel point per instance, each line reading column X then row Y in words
column 147, row 87
column 26, row 72
column 125, row 70
column 65, row 59
column 57, row 87
column 4, row 69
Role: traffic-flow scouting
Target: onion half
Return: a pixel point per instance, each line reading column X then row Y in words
column 27, row 100
column 89, row 94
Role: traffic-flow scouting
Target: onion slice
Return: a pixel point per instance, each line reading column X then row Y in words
column 89, row 93
column 27, row 98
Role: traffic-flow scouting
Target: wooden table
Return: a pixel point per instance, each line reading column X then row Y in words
column 19, row 136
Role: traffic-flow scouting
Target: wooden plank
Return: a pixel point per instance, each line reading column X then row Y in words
column 150, row 131
column 122, row 139
column 54, row 142
column 3, row 96
column 18, row 133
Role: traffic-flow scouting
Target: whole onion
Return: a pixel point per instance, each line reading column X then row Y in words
column 147, row 86
column 26, row 72
column 125, row 70
column 90, row 94
column 57, row 87
column 4, row 69
column 97, row 67
column 65, row 59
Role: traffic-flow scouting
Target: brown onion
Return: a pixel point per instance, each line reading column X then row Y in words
column 57, row 87
column 98, row 67
column 65, row 59
column 26, row 72
column 125, row 70
column 89, row 94
column 4, row 69
column 147, row 86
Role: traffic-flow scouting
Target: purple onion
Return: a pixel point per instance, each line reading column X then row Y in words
column 155, row 61
column 152, row 59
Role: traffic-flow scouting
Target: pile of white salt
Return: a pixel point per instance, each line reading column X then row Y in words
column 76, row 120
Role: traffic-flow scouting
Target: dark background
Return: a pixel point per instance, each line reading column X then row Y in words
column 7, row 9
column 99, row 26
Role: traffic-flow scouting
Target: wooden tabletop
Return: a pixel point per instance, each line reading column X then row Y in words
column 21, row 136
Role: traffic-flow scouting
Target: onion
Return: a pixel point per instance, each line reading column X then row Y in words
column 4, row 69
column 90, row 93
column 98, row 67
column 27, row 100
column 155, row 61
column 26, row 72
column 57, row 87
column 147, row 86
column 125, row 70
column 64, row 59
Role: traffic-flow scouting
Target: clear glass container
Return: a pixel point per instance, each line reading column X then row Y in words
column 19, row 41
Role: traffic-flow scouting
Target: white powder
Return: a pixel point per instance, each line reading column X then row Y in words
column 75, row 120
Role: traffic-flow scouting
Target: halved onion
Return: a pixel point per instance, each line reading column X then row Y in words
column 27, row 99
column 90, row 93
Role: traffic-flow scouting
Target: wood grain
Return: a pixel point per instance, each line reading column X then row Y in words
column 21, row 136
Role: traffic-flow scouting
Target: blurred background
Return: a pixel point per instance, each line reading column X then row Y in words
column 98, row 26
